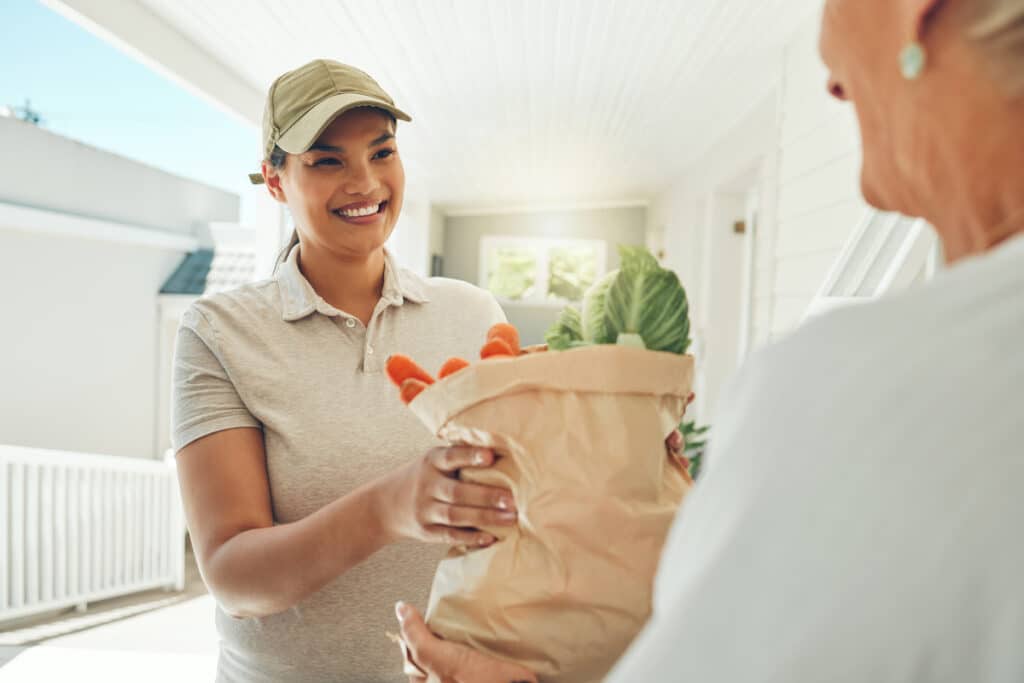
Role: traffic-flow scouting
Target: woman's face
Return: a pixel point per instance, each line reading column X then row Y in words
column 860, row 44
column 346, row 192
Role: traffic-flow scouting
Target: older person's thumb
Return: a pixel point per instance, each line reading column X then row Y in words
column 414, row 630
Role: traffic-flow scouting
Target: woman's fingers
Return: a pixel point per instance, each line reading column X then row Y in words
column 474, row 495
column 454, row 458
column 452, row 662
column 454, row 511
column 450, row 535
column 425, row 649
column 460, row 516
column 675, row 441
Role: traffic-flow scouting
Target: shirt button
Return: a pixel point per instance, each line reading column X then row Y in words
column 369, row 349
column 350, row 322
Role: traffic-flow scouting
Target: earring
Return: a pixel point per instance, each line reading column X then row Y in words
column 913, row 59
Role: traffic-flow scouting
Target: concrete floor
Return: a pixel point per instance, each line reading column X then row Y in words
column 156, row 636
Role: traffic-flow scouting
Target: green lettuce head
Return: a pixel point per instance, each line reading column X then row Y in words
column 641, row 304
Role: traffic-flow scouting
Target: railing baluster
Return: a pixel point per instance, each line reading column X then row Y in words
column 77, row 528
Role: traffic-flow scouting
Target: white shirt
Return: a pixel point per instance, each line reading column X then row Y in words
column 861, row 518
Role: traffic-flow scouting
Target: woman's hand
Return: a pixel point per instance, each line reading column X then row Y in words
column 445, row 662
column 675, row 444
column 426, row 501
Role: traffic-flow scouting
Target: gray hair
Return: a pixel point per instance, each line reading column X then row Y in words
column 998, row 27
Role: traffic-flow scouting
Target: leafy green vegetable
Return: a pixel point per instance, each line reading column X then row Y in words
column 593, row 320
column 648, row 300
column 567, row 332
column 641, row 304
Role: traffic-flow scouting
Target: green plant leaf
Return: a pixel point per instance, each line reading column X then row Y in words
column 566, row 332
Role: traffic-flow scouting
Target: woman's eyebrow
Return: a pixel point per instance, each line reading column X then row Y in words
column 320, row 147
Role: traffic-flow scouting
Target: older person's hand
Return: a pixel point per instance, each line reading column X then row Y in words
column 444, row 662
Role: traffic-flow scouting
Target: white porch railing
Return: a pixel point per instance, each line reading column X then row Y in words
column 76, row 528
column 887, row 252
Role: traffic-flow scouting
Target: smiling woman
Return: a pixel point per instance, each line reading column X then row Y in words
column 300, row 469
column 351, row 174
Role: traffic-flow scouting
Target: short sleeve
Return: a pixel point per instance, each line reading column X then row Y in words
column 204, row 398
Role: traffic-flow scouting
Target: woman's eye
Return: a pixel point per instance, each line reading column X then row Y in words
column 326, row 162
column 383, row 154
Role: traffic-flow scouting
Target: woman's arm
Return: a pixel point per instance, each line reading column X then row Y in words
column 254, row 568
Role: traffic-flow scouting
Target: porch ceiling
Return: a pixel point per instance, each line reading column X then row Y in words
column 524, row 102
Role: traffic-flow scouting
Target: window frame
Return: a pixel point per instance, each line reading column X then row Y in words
column 541, row 248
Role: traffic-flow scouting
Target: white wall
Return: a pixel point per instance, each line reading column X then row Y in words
column 86, row 240
column 819, row 201
column 721, row 293
column 437, row 231
column 807, row 147
column 410, row 241
column 44, row 170
column 692, row 222
column 78, row 355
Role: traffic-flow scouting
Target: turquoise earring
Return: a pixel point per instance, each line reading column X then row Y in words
column 913, row 59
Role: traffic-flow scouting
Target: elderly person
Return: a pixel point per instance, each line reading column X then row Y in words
column 867, row 528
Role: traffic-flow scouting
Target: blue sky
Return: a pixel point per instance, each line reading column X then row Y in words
column 89, row 90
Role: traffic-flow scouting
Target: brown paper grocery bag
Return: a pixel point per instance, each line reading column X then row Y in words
column 581, row 437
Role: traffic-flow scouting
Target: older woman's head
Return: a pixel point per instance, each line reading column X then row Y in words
column 938, row 86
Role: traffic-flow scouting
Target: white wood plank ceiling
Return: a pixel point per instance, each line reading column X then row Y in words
column 523, row 101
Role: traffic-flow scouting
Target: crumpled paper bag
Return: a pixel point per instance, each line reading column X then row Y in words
column 580, row 435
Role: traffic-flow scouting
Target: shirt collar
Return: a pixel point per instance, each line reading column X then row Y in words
column 299, row 299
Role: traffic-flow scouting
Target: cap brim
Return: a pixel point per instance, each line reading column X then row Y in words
column 304, row 132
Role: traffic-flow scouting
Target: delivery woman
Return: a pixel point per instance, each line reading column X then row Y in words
column 312, row 494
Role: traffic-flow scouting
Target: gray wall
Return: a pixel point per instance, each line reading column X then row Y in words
column 48, row 171
column 462, row 237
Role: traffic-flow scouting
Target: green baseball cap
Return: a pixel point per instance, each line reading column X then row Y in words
column 302, row 103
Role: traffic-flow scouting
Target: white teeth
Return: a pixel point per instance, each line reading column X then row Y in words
column 366, row 211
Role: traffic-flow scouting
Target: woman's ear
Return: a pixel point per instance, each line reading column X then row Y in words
column 917, row 14
column 272, row 179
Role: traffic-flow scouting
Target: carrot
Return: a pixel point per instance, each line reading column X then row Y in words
column 411, row 388
column 451, row 366
column 496, row 347
column 507, row 333
column 400, row 368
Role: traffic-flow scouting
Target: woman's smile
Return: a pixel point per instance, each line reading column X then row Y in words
column 363, row 213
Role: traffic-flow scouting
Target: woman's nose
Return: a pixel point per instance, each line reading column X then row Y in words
column 360, row 180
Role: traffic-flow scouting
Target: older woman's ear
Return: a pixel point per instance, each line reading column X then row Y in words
column 913, row 55
column 917, row 13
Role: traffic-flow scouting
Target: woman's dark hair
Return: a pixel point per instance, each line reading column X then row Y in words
column 277, row 160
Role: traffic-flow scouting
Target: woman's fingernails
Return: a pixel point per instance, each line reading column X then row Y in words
column 480, row 457
column 508, row 516
column 485, row 540
column 401, row 611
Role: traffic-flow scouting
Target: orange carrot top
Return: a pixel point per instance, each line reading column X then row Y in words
column 508, row 334
column 400, row 368
column 451, row 366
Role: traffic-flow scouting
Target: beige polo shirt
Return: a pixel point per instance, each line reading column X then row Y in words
column 274, row 355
